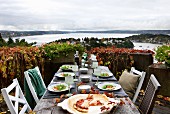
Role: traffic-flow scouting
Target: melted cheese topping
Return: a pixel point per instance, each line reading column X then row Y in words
column 96, row 103
column 85, row 104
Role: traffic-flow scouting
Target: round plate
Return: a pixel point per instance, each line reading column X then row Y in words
column 50, row 87
column 102, row 75
column 66, row 68
column 63, row 74
column 115, row 86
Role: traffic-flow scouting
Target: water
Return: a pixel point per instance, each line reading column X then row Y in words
column 145, row 46
column 41, row 39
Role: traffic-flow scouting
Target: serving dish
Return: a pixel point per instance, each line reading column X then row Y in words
column 109, row 86
column 64, row 74
column 108, row 103
column 58, row 87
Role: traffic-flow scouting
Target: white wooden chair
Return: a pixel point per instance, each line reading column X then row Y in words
column 28, row 79
column 13, row 102
column 141, row 79
column 148, row 100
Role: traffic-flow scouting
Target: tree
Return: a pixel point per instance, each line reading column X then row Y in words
column 2, row 41
column 10, row 41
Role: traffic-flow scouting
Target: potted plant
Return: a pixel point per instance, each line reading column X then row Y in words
column 163, row 54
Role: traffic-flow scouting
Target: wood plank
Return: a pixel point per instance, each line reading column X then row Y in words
column 45, row 106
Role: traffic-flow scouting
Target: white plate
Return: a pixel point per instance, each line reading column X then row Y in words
column 92, row 109
column 109, row 75
column 50, row 87
column 66, row 67
column 61, row 74
column 116, row 86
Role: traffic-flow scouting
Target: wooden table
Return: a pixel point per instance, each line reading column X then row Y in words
column 49, row 105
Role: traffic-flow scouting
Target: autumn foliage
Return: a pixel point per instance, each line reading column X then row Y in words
column 117, row 59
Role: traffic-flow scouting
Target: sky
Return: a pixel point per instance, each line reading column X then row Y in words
column 84, row 15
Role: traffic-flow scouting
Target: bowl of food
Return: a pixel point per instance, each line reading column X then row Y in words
column 64, row 74
column 104, row 74
column 58, row 87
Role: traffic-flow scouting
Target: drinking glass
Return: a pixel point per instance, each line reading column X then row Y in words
column 69, row 80
column 97, row 72
column 94, row 64
column 75, row 70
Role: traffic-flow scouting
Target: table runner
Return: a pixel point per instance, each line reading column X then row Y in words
column 48, row 94
column 94, row 78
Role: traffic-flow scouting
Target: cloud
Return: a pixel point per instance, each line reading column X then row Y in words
column 86, row 14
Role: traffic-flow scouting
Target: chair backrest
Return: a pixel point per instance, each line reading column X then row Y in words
column 148, row 100
column 28, row 79
column 141, row 79
column 14, row 102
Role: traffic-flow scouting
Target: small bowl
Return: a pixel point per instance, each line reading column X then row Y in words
column 83, row 70
column 85, row 79
column 84, row 89
column 86, row 65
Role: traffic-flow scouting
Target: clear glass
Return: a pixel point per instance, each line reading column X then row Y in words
column 75, row 70
column 94, row 64
column 97, row 72
column 69, row 80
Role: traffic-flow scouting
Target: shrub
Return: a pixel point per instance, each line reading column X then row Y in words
column 56, row 50
column 163, row 54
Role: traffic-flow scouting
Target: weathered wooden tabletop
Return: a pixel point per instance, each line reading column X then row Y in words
column 49, row 106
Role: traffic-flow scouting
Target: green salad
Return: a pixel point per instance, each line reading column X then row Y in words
column 104, row 74
column 66, row 67
column 59, row 87
column 108, row 86
column 65, row 74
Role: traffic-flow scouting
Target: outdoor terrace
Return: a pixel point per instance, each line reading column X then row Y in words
column 17, row 62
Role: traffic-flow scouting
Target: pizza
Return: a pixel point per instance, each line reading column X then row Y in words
column 83, row 103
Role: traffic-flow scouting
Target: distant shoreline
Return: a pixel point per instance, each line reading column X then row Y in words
column 7, row 34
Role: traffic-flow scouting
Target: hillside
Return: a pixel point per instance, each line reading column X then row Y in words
column 6, row 34
column 150, row 38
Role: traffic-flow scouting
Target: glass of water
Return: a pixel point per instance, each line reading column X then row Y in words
column 94, row 64
column 75, row 70
column 97, row 72
column 69, row 80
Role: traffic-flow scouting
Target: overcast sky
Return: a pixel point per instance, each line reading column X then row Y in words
column 84, row 14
